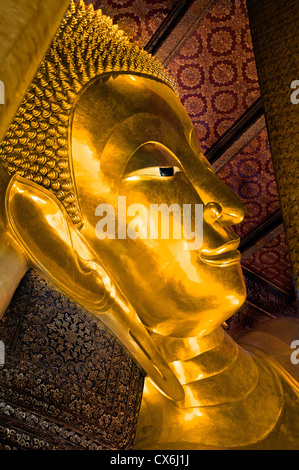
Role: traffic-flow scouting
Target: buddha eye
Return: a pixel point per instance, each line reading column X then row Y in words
column 167, row 171
column 164, row 172
column 152, row 159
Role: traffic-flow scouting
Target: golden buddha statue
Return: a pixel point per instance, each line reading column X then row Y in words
column 101, row 121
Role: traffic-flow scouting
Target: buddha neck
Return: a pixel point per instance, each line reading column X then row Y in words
column 226, row 401
column 209, row 362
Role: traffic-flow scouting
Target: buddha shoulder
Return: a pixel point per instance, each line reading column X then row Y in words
column 276, row 341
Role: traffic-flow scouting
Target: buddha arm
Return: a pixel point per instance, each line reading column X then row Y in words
column 273, row 340
column 13, row 264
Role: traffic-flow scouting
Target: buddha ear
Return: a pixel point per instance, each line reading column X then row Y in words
column 51, row 243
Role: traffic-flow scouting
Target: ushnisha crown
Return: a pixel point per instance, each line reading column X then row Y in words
column 86, row 46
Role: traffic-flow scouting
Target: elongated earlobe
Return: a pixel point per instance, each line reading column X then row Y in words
column 44, row 231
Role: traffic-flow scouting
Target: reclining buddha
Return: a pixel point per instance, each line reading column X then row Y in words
column 101, row 123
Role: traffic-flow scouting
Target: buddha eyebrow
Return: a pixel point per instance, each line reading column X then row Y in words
column 151, row 154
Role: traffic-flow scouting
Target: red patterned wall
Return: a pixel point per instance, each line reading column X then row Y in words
column 250, row 175
column 139, row 19
column 272, row 263
column 215, row 71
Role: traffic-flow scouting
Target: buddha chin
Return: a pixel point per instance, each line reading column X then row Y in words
column 187, row 299
column 199, row 313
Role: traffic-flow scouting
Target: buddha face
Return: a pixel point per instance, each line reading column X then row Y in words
column 132, row 138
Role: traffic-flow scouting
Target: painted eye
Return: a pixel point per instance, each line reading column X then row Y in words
column 152, row 159
column 167, row 171
column 154, row 171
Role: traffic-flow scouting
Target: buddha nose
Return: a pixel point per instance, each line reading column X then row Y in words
column 228, row 212
column 212, row 212
column 220, row 202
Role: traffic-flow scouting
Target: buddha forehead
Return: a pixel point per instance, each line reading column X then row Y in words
column 116, row 115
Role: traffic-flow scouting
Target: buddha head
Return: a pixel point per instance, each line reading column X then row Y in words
column 102, row 126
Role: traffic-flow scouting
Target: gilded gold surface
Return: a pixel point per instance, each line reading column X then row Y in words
column 164, row 302
column 13, row 263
